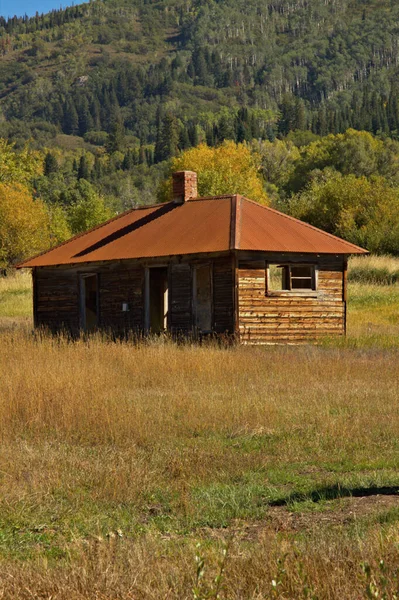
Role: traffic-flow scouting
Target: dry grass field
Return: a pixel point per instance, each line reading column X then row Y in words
column 194, row 472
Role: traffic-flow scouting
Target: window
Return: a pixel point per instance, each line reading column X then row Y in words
column 291, row 278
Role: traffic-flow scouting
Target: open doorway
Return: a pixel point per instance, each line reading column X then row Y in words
column 203, row 298
column 158, row 299
column 89, row 301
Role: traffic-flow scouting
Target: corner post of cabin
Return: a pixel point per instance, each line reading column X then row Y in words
column 345, row 288
column 35, row 293
column 194, row 302
column 146, row 300
column 169, row 312
column 236, row 330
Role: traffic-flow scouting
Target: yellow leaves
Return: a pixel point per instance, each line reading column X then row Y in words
column 226, row 169
column 24, row 224
column 19, row 167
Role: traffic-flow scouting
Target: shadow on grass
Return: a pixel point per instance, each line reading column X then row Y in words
column 334, row 492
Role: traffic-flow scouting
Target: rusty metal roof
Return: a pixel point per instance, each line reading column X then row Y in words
column 197, row 226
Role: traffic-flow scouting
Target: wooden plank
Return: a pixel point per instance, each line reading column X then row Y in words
column 180, row 298
column 223, row 296
column 290, row 316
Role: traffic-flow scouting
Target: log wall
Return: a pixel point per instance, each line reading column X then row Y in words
column 57, row 296
column 56, row 300
column 115, row 288
column 288, row 317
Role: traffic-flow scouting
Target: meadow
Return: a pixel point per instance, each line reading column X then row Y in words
column 162, row 471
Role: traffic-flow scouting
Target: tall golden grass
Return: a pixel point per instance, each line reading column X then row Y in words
column 272, row 566
column 116, row 460
column 175, row 444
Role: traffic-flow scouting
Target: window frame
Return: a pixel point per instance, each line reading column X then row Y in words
column 303, row 292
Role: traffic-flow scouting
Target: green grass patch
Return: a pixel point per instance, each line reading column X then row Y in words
column 16, row 295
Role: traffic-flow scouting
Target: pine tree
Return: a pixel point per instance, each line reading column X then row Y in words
column 97, row 170
column 270, row 132
column 201, row 69
column 71, row 119
column 288, row 113
column 225, row 129
column 50, row 164
column 83, row 169
column 210, row 137
column 84, row 117
column 184, row 139
column 193, row 135
column 128, row 161
column 95, row 112
column 167, row 139
column 116, row 136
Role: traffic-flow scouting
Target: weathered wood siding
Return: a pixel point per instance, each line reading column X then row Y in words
column 289, row 317
column 180, row 298
column 120, row 286
column 181, row 306
column 223, row 296
column 57, row 296
column 56, row 300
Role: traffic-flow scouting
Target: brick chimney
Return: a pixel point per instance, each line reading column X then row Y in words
column 184, row 186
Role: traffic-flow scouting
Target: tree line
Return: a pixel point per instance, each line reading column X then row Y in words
column 346, row 184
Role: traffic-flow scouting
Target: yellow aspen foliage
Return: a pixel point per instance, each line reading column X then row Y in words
column 227, row 169
column 24, row 224
column 20, row 166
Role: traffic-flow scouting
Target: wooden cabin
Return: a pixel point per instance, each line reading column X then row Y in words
column 196, row 266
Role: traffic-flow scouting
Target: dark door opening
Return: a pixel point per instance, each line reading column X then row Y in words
column 158, row 299
column 203, row 298
column 89, row 302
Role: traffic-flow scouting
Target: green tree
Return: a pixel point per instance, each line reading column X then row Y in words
column 115, row 142
column 88, row 210
column 50, row 164
column 278, row 160
column 59, row 229
column 84, row 169
column 71, row 118
column 363, row 211
column 167, row 144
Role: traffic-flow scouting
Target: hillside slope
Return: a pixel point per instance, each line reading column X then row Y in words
column 322, row 65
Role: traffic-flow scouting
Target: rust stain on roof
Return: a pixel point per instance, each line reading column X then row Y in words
column 202, row 225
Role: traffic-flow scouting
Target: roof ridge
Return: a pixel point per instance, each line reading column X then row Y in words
column 200, row 198
column 278, row 212
column 237, row 221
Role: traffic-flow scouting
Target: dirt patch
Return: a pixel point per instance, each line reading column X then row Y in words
column 335, row 513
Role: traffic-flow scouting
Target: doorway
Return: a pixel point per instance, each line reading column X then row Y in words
column 203, row 298
column 89, row 301
column 158, row 300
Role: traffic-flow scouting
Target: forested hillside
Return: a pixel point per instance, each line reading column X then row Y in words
column 188, row 66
